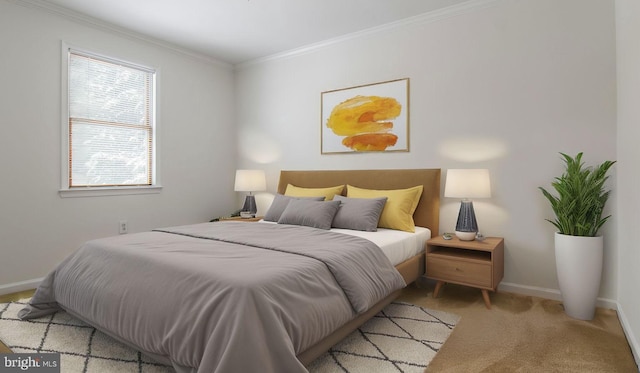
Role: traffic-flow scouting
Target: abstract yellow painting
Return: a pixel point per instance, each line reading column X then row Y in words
column 366, row 118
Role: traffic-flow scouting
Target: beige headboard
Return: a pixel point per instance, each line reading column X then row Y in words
column 428, row 211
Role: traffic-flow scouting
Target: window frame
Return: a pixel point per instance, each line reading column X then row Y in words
column 95, row 191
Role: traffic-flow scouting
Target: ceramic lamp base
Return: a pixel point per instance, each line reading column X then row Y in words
column 466, row 236
column 466, row 226
column 250, row 205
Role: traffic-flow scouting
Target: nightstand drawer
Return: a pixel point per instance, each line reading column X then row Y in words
column 462, row 272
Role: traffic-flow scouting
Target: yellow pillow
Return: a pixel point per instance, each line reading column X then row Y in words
column 398, row 211
column 327, row 193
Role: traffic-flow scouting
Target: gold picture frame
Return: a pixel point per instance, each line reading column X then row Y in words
column 366, row 118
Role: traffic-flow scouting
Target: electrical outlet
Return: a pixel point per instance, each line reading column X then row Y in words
column 124, row 227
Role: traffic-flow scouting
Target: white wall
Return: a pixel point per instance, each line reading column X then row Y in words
column 38, row 227
column 505, row 87
column 628, row 60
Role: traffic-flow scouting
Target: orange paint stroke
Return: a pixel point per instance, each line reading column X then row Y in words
column 368, row 142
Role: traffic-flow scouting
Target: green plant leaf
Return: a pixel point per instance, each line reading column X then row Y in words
column 581, row 197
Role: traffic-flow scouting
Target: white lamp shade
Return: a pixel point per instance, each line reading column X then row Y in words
column 250, row 181
column 467, row 183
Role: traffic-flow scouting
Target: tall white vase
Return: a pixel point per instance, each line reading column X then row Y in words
column 579, row 268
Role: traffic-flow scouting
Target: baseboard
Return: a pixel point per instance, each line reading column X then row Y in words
column 20, row 286
column 553, row 294
column 631, row 338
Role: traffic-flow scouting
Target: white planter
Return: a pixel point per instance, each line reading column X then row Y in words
column 579, row 268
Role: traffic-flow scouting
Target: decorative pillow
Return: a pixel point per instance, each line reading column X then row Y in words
column 280, row 203
column 314, row 214
column 328, row 193
column 398, row 211
column 360, row 214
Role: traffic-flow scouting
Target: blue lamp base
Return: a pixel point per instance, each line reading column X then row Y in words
column 466, row 226
column 250, row 205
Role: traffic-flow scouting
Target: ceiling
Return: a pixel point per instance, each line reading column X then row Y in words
column 237, row 31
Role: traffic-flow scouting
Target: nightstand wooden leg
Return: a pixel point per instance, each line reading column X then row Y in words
column 437, row 289
column 487, row 301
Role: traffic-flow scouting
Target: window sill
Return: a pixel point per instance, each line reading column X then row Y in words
column 108, row 191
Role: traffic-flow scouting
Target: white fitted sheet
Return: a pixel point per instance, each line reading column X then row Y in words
column 398, row 246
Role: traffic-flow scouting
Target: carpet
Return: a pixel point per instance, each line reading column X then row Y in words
column 401, row 338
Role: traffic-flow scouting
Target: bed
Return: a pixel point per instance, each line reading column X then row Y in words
column 175, row 294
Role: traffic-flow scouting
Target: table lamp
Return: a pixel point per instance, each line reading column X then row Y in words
column 467, row 184
column 250, row 181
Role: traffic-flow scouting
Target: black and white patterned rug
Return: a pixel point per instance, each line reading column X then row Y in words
column 401, row 338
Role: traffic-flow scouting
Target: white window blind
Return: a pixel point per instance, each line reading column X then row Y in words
column 111, row 122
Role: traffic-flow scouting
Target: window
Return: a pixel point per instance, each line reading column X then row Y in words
column 111, row 123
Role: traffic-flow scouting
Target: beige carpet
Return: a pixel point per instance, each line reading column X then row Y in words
column 522, row 334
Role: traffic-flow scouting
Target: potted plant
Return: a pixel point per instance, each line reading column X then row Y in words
column 578, row 209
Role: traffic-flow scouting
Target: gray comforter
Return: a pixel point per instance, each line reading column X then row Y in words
column 220, row 297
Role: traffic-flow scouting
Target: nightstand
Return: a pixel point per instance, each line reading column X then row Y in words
column 238, row 218
column 478, row 264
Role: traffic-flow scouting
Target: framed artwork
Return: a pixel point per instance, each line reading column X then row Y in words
column 366, row 118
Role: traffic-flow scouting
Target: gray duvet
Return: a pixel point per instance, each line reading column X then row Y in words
column 220, row 297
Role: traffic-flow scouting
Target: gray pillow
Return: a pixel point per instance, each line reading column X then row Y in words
column 314, row 214
column 360, row 214
column 280, row 203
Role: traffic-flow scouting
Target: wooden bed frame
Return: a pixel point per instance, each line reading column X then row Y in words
column 426, row 215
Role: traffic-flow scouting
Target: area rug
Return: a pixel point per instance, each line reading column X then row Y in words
column 401, row 338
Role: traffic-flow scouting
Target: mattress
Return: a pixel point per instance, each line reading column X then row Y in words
column 398, row 246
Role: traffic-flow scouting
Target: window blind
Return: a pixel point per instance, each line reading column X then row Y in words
column 111, row 122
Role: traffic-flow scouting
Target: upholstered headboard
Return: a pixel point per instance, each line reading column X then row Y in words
column 428, row 211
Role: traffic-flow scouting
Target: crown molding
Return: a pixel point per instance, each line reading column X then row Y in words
column 424, row 18
column 106, row 26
